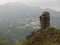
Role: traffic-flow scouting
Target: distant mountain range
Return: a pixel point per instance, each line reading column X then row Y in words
column 17, row 10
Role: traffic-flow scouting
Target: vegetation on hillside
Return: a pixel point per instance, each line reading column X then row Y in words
column 50, row 36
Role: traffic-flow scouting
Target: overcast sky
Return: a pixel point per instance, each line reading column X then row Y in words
column 53, row 4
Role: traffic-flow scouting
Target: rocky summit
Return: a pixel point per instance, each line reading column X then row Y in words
column 46, row 35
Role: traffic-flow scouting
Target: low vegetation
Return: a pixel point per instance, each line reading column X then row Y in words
column 50, row 36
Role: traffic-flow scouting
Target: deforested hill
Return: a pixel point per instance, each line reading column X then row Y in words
column 46, row 35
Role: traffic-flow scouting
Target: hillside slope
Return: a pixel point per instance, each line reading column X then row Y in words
column 50, row 36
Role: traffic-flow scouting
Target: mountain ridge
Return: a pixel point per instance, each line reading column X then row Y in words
column 50, row 36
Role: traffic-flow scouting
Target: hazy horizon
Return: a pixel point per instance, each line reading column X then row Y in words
column 52, row 4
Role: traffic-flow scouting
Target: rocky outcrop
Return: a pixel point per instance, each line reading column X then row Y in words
column 45, row 20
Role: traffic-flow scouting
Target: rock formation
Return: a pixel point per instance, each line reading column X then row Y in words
column 45, row 20
column 45, row 23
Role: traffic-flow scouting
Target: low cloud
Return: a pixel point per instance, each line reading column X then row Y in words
column 54, row 4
